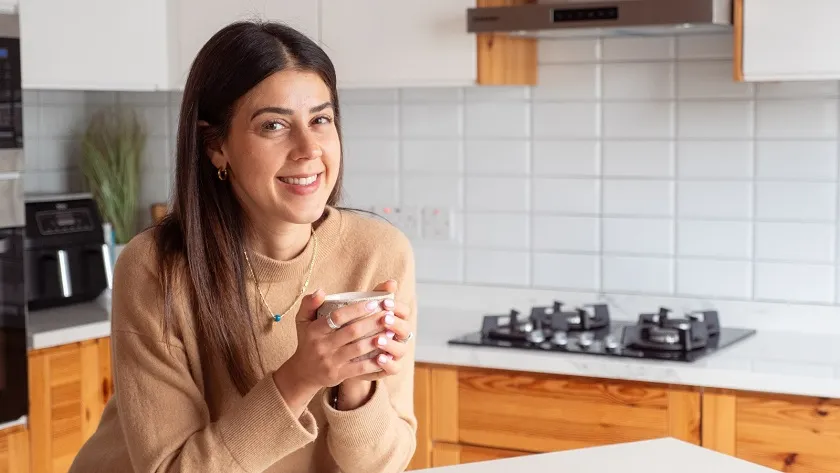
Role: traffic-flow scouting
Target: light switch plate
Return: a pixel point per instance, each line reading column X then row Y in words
column 437, row 224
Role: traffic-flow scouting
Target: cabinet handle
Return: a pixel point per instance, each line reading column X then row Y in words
column 106, row 259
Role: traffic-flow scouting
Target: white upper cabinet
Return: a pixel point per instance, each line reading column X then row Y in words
column 393, row 43
column 94, row 44
column 198, row 20
column 791, row 40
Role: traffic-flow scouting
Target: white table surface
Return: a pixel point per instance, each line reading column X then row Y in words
column 665, row 455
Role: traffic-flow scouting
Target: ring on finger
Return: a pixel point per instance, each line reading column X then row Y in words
column 406, row 339
column 331, row 323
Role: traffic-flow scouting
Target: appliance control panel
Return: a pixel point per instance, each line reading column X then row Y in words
column 53, row 222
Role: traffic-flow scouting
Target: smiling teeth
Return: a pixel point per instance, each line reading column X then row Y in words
column 299, row 181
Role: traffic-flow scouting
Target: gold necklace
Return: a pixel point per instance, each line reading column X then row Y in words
column 279, row 317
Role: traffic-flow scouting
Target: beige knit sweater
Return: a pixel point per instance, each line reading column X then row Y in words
column 174, row 412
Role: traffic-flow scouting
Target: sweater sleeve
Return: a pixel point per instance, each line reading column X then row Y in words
column 381, row 435
column 163, row 415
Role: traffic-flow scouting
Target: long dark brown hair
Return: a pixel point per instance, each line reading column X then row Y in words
column 200, row 241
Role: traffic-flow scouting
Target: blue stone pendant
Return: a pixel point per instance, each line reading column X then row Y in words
column 277, row 317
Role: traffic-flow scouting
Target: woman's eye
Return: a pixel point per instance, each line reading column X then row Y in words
column 272, row 126
column 323, row 120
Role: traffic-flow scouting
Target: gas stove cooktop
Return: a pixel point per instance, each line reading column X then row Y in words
column 589, row 330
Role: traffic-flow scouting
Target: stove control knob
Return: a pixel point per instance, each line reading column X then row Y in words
column 610, row 342
column 586, row 340
column 537, row 336
column 560, row 339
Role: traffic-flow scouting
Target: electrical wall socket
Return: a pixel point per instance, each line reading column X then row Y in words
column 437, row 224
column 407, row 219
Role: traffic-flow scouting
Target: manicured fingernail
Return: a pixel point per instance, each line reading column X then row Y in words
column 371, row 305
column 390, row 334
column 389, row 318
column 381, row 341
column 382, row 359
column 389, row 304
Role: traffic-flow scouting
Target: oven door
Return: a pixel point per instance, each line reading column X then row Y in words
column 13, row 361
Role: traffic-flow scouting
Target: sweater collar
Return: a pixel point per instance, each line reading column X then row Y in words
column 327, row 233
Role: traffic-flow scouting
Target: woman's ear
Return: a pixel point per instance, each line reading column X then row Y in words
column 212, row 144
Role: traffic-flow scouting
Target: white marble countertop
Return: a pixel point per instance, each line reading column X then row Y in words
column 69, row 324
column 769, row 361
column 649, row 456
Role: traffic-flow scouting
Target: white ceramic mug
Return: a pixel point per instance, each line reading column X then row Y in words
column 336, row 301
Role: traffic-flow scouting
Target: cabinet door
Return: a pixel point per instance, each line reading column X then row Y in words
column 198, row 20
column 94, row 44
column 790, row 39
column 376, row 43
column 14, row 450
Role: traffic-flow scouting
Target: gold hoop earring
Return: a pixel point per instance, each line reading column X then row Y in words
column 222, row 173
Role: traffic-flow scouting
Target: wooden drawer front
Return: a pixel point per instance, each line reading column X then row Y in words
column 14, row 450
column 793, row 434
column 446, row 454
column 543, row 413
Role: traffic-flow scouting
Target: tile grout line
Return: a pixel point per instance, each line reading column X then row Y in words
column 675, row 179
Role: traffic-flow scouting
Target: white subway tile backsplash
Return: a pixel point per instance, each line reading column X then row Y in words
column 710, row 80
column 497, row 94
column 651, row 120
column 566, row 158
column 156, row 156
column 566, row 196
column 568, row 82
column 715, row 159
column 497, row 231
column 637, row 274
column 433, row 156
column 497, row 194
column 630, row 48
column 566, row 271
column 714, row 239
column 498, row 267
column 796, row 201
column 431, row 120
column 794, row 282
column 638, row 236
column 566, row 120
column 509, row 157
column 368, row 96
column 639, row 81
column 638, row 158
column 573, row 50
column 439, row 264
column 363, row 155
column 814, row 119
column 797, row 160
column 431, row 94
column 443, row 190
column 570, row 234
column 709, row 278
column 708, row 46
column 638, row 198
column 369, row 120
column 795, row 242
column 369, row 189
column 498, row 120
column 717, row 200
column 716, row 119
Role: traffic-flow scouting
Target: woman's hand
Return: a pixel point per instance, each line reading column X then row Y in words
column 394, row 345
column 325, row 357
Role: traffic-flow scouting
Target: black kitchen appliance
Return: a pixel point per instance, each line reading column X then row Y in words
column 67, row 259
column 13, row 362
column 590, row 330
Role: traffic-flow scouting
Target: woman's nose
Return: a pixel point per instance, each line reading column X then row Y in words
column 307, row 145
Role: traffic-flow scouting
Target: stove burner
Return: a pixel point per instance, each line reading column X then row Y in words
column 589, row 329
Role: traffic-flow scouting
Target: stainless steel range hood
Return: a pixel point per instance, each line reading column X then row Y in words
column 564, row 18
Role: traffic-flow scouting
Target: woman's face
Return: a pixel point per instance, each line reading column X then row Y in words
column 282, row 150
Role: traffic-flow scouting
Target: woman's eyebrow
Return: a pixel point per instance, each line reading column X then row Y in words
column 287, row 111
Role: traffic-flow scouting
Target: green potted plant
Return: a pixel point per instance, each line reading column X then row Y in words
column 112, row 146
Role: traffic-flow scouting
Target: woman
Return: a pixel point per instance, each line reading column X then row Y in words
column 220, row 364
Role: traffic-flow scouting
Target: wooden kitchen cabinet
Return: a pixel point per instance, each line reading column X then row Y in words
column 94, row 44
column 785, row 433
column 69, row 386
column 197, row 20
column 779, row 40
column 470, row 414
column 14, row 450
